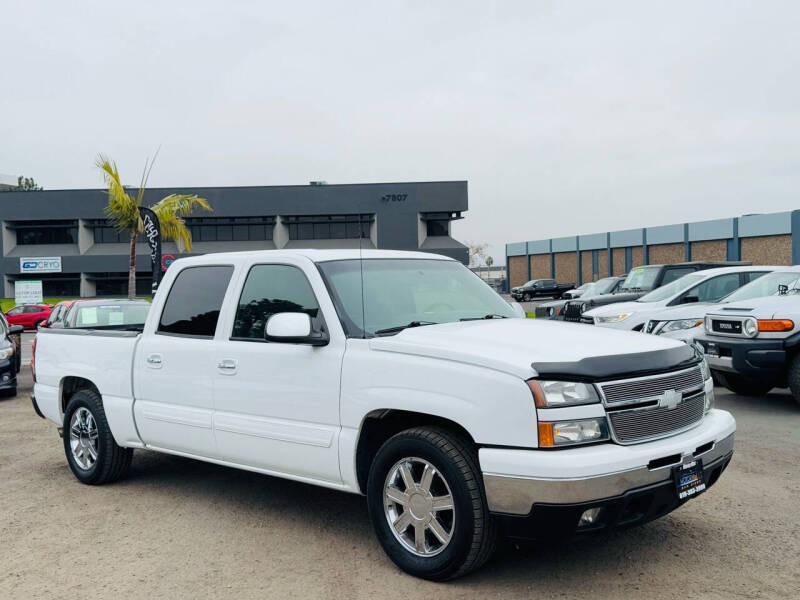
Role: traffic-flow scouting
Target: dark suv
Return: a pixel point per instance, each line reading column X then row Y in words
column 540, row 287
column 640, row 281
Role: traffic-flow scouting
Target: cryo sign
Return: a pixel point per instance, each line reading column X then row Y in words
column 40, row 264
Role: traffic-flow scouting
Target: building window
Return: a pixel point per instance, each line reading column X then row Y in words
column 105, row 233
column 116, row 284
column 231, row 229
column 328, row 227
column 438, row 224
column 31, row 233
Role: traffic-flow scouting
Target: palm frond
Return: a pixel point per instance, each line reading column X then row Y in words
column 171, row 210
column 122, row 210
column 146, row 176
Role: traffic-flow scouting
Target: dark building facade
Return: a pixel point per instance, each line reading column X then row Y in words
column 89, row 257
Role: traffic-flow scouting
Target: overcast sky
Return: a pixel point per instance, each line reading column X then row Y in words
column 565, row 117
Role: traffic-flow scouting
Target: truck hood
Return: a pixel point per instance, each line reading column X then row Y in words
column 604, row 299
column 693, row 310
column 529, row 347
column 768, row 307
column 622, row 307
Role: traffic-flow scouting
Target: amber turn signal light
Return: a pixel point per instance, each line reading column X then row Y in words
column 775, row 325
column 546, row 435
column 538, row 394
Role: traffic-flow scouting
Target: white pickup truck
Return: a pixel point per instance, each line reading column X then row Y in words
column 397, row 375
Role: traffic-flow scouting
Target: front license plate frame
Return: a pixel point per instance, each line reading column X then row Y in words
column 689, row 479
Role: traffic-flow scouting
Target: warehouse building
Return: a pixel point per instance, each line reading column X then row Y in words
column 62, row 237
column 761, row 239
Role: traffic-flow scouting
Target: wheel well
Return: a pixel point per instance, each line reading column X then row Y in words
column 70, row 385
column 380, row 425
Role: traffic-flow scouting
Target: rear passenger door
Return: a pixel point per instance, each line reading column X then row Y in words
column 175, row 364
column 277, row 404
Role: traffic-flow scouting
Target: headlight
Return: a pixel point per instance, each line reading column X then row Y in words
column 705, row 370
column 709, row 402
column 750, row 327
column 568, row 433
column 551, row 311
column 612, row 318
column 552, row 394
column 681, row 324
column 6, row 352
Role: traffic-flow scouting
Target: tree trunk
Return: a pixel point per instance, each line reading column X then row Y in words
column 132, row 268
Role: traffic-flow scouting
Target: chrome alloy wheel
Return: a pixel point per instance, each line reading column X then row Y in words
column 83, row 438
column 419, row 506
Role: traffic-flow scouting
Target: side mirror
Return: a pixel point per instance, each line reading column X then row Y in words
column 690, row 299
column 293, row 328
column 518, row 310
column 15, row 329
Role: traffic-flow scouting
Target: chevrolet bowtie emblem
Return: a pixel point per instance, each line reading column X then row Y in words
column 669, row 399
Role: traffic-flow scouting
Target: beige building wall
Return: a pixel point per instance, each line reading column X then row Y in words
column 667, row 253
column 517, row 270
column 619, row 261
column 566, row 267
column 638, row 256
column 586, row 266
column 602, row 263
column 768, row 250
column 710, row 250
column 540, row 266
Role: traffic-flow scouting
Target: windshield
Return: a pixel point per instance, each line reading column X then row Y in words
column 113, row 314
column 643, row 278
column 398, row 292
column 601, row 286
column 672, row 289
column 766, row 285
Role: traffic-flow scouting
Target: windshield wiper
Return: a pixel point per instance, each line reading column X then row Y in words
column 398, row 328
column 489, row 316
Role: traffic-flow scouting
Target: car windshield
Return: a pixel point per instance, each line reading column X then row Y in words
column 112, row 314
column 766, row 285
column 673, row 289
column 399, row 293
column 601, row 286
column 641, row 278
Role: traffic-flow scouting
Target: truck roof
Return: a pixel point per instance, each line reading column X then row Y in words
column 311, row 254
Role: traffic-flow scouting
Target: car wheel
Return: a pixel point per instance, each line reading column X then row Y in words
column 92, row 454
column 526, row 297
column 793, row 375
column 427, row 504
column 744, row 387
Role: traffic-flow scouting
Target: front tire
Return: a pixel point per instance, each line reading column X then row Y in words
column 93, row 455
column 744, row 387
column 526, row 297
column 427, row 504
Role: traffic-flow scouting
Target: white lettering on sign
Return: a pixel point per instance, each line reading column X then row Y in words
column 40, row 264
column 27, row 292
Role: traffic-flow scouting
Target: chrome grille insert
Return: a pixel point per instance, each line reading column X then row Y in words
column 641, row 389
column 641, row 424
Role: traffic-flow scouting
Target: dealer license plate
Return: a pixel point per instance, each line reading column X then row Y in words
column 712, row 350
column 689, row 479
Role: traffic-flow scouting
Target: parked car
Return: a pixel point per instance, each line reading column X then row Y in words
column 755, row 346
column 30, row 316
column 56, row 318
column 538, row 288
column 10, row 356
column 401, row 376
column 106, row 313
column 685, row 322
column 554, row 309
column 578, row 291
column 640, row 281
column 709, row 285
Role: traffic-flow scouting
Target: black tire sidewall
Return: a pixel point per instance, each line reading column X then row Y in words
column 87, row 400
column 451, row 558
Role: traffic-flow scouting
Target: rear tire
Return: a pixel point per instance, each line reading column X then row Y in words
column 744, row 387
column 93, row 455
column 453, row 541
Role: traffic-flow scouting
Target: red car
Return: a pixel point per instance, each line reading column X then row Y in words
column 30, row 316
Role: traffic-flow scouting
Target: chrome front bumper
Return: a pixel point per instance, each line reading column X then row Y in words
column 516, row 495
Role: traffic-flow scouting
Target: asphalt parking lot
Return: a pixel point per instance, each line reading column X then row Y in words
column 185, row 529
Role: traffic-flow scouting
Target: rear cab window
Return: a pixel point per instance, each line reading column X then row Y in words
column 194, row 302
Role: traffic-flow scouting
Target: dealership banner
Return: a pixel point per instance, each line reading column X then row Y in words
column 152, row 231
column 40, row 264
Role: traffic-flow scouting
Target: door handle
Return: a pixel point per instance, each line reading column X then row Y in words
column 227, row 366
column 154, row 361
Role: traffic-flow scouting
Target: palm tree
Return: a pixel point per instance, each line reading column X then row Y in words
column 123, row 212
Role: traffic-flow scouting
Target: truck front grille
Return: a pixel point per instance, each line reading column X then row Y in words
column 647, row 388
column 726, row 326
column 572, row 311
column 640, row 424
